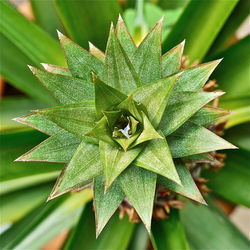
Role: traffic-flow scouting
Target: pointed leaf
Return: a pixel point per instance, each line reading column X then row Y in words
column 138, row 183
column 96, row 52
column 173, row 228
column 106, row 97
column 56, row 69
column 57, row 148
column 183, row 105
column 115, row 160
column 77, row 118
column 102, row 131
column 40, row 123
column 171, row 61
column 157, row 158
column 112, row 117
column 208, row 115
column 125, row 38
column 154, row 97
column 64, row 88
column 81, row 63
column 130, row 105
column 105, row 203
column 118, row 70
column 148, row 132
column 188, row 188
column 192, row 139
column 194, row 78
column 149, row 53
column 83, row 167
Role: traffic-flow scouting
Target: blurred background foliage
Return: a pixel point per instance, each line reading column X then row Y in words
column 212, row 29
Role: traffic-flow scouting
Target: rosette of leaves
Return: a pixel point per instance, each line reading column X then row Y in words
column 124, row 121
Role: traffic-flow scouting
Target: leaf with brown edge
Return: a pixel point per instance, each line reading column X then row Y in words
column 106, row 97
column 81, row 63
column 40, row 123
column 191, row 139
column 156, row 157
column 96, row 52
column 147, row 57
column 194, row 78
column 125, row 38
column 208, row 115
column 105, row 202
column 56, row 69
column 119, row 74
column 138, row 184
column 188, row 188
column 77, row 118
column 171, row 61
column 154, row 97
column 115, row 161
column 57, row 148
column 83, row 167
column 65, row 89
column 183, row 105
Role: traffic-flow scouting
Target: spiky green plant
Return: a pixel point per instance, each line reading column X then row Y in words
column 124, row 121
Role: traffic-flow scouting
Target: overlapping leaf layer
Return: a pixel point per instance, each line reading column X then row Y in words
column 122, row 119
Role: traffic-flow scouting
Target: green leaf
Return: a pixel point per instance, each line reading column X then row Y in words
column 96, row 52
column 169, row 233
column 194, row 78
column 149, row 53
column 83, row 167
column 56, row 69
column 183, row 105
column 65, row 89
column 19, row 203
column 77, row 118
column 237, row 173
column 139, row 239
column 13, row 107
column 236, row 58
column 13, row 67
column 28, row 37
column 208, row 228
column 137, row 184
column 156, row 157
column 16, row 175
column 115, row 161
column 192, row 139
column 154, row 97
column 118, row 70
column 148, row 133
column 54, row 218
column 81, row 63
column 125, row 38
column 105, row 203
column 57, row 148
column 40, row 123
column 171, row 61
column 45, row 16
column 83, row 235
column 208, row 115
column 102, row 131
column 81, row 26
column 188, row 188
column 204, row 31
column 237, row 17
column 106, row 97
column 240, row 136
